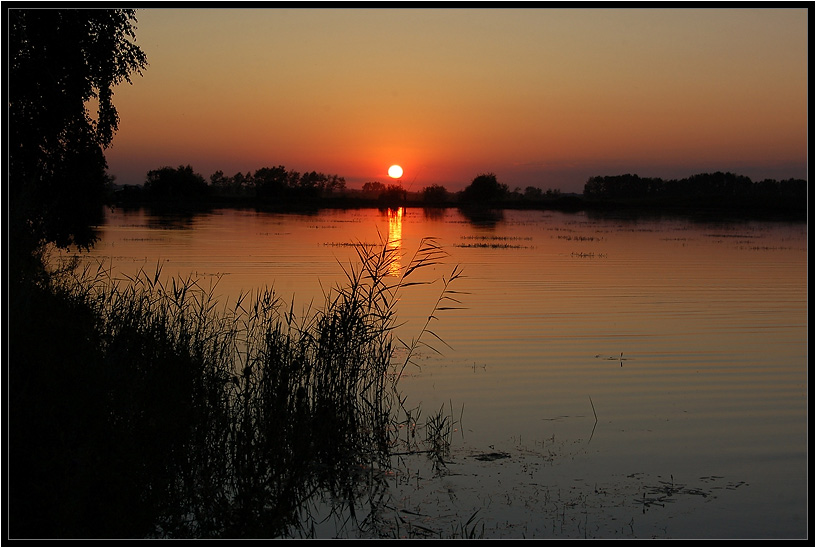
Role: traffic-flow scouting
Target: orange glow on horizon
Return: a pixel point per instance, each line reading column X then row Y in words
column 733, row 100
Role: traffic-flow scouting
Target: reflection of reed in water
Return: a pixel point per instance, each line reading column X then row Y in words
column 395, row 239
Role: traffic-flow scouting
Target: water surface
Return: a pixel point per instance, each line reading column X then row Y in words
column 606, row 356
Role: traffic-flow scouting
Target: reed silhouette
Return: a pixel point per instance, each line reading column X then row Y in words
column 142, row 407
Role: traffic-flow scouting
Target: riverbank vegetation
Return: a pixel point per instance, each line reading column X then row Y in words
column 277, row 188
column 142, row 407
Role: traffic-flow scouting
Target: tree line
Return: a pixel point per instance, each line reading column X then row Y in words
column 273, row 183
column 716, row 190
column 279, row 186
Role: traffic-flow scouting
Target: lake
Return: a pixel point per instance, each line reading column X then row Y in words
column 608, row 377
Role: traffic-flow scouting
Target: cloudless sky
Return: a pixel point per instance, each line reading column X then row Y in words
column 543, row 97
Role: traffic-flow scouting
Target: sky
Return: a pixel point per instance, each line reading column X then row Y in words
column 540, row 97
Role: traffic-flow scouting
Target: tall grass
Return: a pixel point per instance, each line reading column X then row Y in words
column 218, row 420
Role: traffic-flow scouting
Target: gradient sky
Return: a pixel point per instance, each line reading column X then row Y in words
column 542, row 97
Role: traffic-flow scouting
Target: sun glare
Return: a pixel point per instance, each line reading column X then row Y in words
column 395, row 172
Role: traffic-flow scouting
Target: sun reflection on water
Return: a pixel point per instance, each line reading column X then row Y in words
column 395, row 238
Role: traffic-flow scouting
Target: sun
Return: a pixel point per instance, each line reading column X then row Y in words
column 395, row 172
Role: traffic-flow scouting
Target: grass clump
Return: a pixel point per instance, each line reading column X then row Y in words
column 142, row 407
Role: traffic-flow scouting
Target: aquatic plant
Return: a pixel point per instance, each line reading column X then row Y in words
column 216, row 419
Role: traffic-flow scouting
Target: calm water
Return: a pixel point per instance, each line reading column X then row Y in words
column 687, row 340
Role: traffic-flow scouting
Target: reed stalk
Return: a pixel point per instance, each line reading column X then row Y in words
column 225, row 419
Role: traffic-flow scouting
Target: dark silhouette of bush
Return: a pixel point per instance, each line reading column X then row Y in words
column 485, row 189
column 271, row 183
column 373, row 188
column 392, row 195
column 180, row 184
column 434, row 194
column 718, row 190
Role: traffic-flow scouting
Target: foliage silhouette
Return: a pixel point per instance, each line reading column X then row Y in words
column 179, row 184
column 374, row 187
column 59, row 61
column 279, row 189
column 485, row 189
column 723, row 191
column 392, row 196
column 174, row 416
column 434, row 194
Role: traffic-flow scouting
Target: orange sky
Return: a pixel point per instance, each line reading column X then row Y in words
column 543, row 97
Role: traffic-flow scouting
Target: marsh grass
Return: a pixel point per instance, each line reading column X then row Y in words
column 213, row 420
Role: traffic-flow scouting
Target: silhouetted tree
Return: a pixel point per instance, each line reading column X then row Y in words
column 485, row 189
column 374, row 187
column 243, row 183
column 335, row 184
column 218, row 180
column 64, row 478
column 271, row 182
column 434, row 194
column 180, row 184
column 703, row 190
column 532, row 193
column 311, row 184
column 393, row 195
column 59, row 61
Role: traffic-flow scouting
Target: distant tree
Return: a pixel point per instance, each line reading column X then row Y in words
column 243, row 183
column 271, row 182
column 237, row 185
column 335, row 184
column 374, row 187
column 217, row 179
column 485, row 188
column 311, row 184
column 532, row 193
column 181, row 183
column 434, row 194
column 794, row 192
column 622, row 187
column 59, row 62
column 393, row 195
column 293, row 179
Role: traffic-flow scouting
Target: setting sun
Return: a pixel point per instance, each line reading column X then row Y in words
column 395, row 172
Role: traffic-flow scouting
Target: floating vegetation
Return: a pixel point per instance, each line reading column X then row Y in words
column 729, row 235
column 347, row 244
column 569, row 237
column 493, row 455
column 582, row 255
column 484, row 245
column 495, row 238
column 767, row 248
column 667, row 491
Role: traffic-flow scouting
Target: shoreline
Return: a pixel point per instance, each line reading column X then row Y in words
column 698, row 209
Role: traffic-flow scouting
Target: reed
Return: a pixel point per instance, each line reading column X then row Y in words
column 226, row 419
